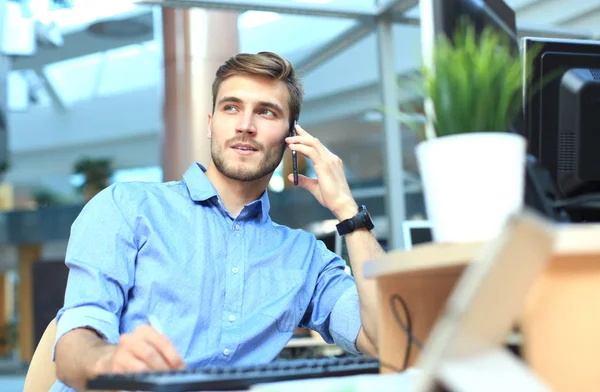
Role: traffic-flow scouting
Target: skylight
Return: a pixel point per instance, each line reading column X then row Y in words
column 82, row 12
column 250, row 19
column 314, row 1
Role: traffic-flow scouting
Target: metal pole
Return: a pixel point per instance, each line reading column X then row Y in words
column 334, row 46
column 393, row 171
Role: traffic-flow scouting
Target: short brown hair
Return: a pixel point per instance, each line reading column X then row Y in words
column 265, row 64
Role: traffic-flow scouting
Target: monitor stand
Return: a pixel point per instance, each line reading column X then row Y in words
column 541, row 192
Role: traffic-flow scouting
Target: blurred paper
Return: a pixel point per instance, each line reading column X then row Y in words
column 401, row 382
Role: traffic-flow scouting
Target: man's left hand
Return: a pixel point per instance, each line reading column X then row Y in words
column 330, row 187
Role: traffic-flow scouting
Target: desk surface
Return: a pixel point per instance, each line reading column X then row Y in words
column 571, row 239
column 306, row 342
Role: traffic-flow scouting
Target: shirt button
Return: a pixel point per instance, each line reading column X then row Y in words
column 235, row 270
column 226, row 352
column 237, row 227
column 232, row 318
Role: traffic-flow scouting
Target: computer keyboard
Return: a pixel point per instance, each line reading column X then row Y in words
column 235, row 378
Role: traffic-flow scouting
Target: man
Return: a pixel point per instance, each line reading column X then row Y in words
column 202, row 257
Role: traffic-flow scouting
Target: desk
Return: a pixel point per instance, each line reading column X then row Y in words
column 306, row 342
column 560, row 324
column 309, row 347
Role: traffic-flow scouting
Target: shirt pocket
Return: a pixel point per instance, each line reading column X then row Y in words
column 283, row 292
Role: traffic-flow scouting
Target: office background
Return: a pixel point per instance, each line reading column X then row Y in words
column 104, row 80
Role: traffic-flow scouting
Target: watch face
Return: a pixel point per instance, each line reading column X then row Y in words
column 366, row 218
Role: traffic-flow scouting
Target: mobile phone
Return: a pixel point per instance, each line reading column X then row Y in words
column 294, row 153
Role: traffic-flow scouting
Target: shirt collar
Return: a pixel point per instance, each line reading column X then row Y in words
column 201, row 189
column 198, row 185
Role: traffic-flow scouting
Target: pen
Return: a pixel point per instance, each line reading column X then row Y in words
column 154, row 323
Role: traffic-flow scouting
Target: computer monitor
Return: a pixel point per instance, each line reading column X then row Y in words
column 561, row 102
column 562, row 113
column 416, row 232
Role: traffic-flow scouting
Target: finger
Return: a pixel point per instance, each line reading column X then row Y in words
column 306, row 138
column 310, row 184
column 147, row 353
column 301, row 131
column 163, row 345
column 310, row 140
column 307, row 151
column 125, row 362
column 135, row 346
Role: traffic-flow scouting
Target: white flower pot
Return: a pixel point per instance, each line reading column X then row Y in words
column 472, row 182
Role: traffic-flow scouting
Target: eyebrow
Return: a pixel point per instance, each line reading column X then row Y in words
column 230, row 99
column 265, row 104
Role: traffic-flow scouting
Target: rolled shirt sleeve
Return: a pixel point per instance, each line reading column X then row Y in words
column 101, row 257
column 345, row 322
column 334, row 309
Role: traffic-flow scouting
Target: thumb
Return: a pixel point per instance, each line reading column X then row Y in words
column 309, row 184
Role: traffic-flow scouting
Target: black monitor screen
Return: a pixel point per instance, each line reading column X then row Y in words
column 420, row 235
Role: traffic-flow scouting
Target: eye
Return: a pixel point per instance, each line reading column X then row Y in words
column 267, row 112
column 229, row 108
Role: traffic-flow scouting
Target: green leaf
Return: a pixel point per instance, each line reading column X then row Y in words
column 475, row 83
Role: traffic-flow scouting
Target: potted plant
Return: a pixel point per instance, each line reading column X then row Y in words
column 472, row 166
column 44, row 197
column 96, row 173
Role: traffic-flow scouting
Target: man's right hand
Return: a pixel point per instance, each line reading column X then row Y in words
column 145, row 349
column 81, row 354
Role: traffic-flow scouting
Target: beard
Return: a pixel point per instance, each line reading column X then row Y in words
column 246, row 171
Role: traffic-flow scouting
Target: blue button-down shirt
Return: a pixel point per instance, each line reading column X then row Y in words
column 226, row 290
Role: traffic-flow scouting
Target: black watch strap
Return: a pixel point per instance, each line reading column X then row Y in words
column 345, row 227
column 361, row 220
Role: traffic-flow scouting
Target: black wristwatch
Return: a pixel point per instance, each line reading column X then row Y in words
column 358, row 221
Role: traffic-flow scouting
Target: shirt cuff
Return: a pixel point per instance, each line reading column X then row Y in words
column 345, row 323
column 104, row 323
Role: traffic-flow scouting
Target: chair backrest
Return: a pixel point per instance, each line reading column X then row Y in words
column 42, row 370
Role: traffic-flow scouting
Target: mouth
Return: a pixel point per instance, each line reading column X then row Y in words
column 244, row 149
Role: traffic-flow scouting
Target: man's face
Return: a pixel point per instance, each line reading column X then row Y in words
column 248, row 127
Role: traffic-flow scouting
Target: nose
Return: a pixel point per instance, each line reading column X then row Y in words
column 246, row 124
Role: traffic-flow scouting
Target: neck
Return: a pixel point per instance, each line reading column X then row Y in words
column 233, row 193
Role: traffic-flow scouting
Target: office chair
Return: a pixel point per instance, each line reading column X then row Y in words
column 42, row 370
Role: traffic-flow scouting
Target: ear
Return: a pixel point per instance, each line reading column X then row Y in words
column 208, row 126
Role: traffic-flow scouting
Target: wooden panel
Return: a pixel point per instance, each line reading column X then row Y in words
column 28, row 255
column 561, row 339
column 560, row 323
column 574, row 239
column 425, row 296
column 422, row 258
